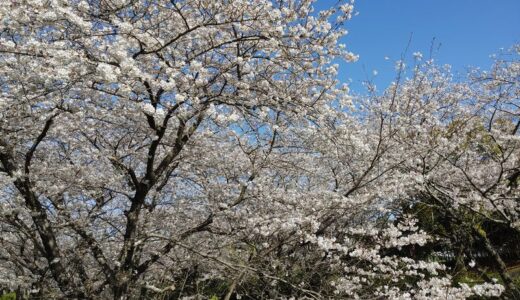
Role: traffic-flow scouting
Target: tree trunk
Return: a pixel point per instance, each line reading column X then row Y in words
column 511, row 289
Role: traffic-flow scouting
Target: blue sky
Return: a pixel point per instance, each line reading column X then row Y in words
column 468, row 31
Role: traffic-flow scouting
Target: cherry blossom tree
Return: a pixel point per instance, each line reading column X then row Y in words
column 465, row 136
column 112, row 112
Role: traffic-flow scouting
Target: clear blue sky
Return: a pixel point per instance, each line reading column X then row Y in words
column 468, row 31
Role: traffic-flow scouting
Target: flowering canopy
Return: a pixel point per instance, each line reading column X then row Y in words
column 151, row 147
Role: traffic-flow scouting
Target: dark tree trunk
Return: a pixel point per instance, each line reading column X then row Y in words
column 511, row 289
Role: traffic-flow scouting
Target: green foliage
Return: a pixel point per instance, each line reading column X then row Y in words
column 8, row 296
column 480, row 230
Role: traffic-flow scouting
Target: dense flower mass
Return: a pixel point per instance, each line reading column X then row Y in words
column 204, row 148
